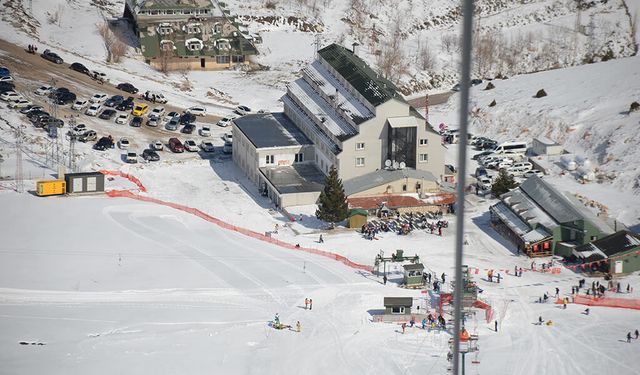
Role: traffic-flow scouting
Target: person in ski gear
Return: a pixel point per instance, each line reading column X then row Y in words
column 298, row 326
column 321, row 240
column 404, row 325
column 443, row 277
column 637, row 334
column 496, row 325
column 310, row 304
column 540, row 320
column 424, row 325
column 628, row 336
column 306, row 303
column 557, row 292
column 384, row 279
column 276, row 319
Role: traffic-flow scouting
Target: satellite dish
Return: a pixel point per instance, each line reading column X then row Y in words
column 402, row 165
column 395, row 165
column 387, row 163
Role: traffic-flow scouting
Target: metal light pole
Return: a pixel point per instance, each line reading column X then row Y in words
column 467, row 31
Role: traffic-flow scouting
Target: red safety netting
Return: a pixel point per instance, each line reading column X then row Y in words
column 623, row 303
column 246, row 232
column 127, row 176
column 488, row 314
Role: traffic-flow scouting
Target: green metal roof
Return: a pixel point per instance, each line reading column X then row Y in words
column 375, row 89
column 174, row 4
column 358, row 211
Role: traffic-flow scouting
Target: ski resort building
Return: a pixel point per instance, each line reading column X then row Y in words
column 356, row 121
column 617, row 253
column 541, row 221
column 189, row 34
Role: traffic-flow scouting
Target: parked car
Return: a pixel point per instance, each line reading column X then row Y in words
column 37, row 113
column 79, row 68
column 157, row 145
column 172, row 125
column 136, row 121
column 104, row 143
column 131, row 157
column 207, row 146
column 175, row 145
column 108, row 114
column 114, row 101
column 126, row 105
column 79, row 129
column 127, row 87
column 150, row 155
column 228, row 138
column 6, row 79
column 65, row 98
column 124, row 143
column 481, row 171
column 88, row 136
column 157, row 112
column 31, row 108
column 153, row 121
column 191, row 146
column 140, row 109
column 154, row 96
column 19, row 103
column 242, row 110
column 51, row 56
column 7, row 86
column 188, row 129
column 98, row 76
column 224, row 122
column 55, row 93
column 43, row 90
column 98, row 98
column 480, row 155
column 484, row 183
column 171, row 115
column 122, row 118
column 197, row 110
column 10, row 96
column 205, row 131
column 227, row 148
column 79, row 104
column 520, row 168
column 533, row 172
column 4, row 71
column 187, row 118
column 93, row 109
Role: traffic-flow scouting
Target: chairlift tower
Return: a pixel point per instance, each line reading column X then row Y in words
column 72, row 143
column 19, row 173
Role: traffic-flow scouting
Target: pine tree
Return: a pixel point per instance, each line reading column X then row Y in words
column 503, row 183
column 332, row 206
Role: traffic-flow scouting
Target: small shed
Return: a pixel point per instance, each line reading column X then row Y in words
column 357, row 218
column 413, row 274
column 545, row 146
column 85, row 182
column 398, row 305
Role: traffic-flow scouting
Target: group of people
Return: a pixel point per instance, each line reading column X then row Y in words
column 32, row 49
column 637, row 334
column 430, row 322
column 490, row 276
column 308, row 303
column 517, row 271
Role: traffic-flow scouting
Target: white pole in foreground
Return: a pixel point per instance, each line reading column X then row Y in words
column 467, row 12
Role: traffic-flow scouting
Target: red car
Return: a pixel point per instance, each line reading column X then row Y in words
column 175, row 145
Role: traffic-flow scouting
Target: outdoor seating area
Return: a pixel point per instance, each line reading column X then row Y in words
column 403, row 224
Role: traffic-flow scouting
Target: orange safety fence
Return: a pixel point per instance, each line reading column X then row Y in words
column 623, row 303
column 486, row 307
column 246, row 232
column 127, row 176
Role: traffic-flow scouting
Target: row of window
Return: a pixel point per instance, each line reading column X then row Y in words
column 360, row 145
column 298, row 158
column 165, row 30
column 164, row 12
column 422, row 158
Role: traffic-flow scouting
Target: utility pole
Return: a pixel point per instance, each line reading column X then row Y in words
column 72, row 143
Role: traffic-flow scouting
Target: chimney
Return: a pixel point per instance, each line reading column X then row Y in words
column 355, row 48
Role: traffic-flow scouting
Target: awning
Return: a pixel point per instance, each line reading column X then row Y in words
column 403, row 122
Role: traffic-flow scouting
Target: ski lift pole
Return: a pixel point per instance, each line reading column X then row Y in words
column 467, row 31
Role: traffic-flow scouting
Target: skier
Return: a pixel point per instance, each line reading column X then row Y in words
column 586, row 311
column 310, row 304
column 540, row 320
column 628, row 336
column 276, row 228
column 496, row 325
column 404, row 325
column 498, row 277
column 443, row 277
column 564, row 303
column 637, row 334
column 424, row 325
column 321, row 240
column 412, row 322
column 440, row 231
column 298, row 326
column 557, row 292
column 277, row 320
column 306, row 303
column 384, row 279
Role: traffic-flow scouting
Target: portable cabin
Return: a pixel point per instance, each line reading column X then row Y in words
column 398, row 305
column 46, row 188
column 413, row 274
column 86, row 182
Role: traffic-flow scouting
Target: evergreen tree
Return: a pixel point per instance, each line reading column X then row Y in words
column 333, row 206
column 503, row 183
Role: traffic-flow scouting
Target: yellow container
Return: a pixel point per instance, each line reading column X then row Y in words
column 51, row 187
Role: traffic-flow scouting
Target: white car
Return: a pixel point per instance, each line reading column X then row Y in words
column 79, row 105
column 205, row 131
column 93, row 109
column 122, row 118
column 157, row 145
column 6, row 79
column 44, row 90
column 157, row 112
column 484, row 183
column 191, row 146
column 533, row 172
column 98, row 98
column 207, row 146
column 171, row 115
column 10, row 96
column 79, row 129
column 197, row 110
column 124, row 143
column 228, row 138
column 242, row 110
column 131, row 157
column 19, row 103
column 225, row 121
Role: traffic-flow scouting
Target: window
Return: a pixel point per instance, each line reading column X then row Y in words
column 164, row 30
column 222, row 59
column 299, row 158
column 359, row 162
column 404, row 187
column 424, row 141
column 397, row 310
column 424, row 158
column 360, row 146
column 217, row 28
column 418, row 186
column 269, row 159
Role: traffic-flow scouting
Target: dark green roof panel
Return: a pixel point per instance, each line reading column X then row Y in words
column 375, row 89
